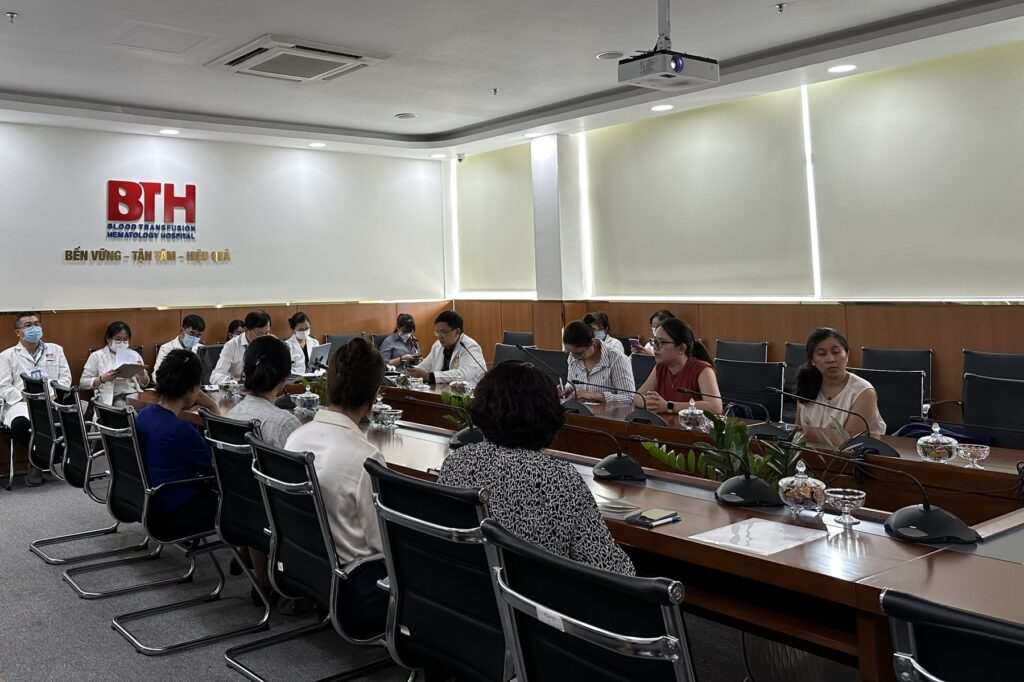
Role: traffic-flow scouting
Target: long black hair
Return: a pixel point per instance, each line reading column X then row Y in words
column 405, row 324
column 682, row 335
column 808, row 378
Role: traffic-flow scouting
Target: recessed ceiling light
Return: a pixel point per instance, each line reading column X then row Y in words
column 316, row 145
column 609, row 55
column 438, row 156
column 663, row 107
column 169, row 131
column 405, row 114
column 842, row 68
column 533, row 135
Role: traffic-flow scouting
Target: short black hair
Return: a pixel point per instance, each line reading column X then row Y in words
column 297, row 319
column 233, row 326
column 516, row 405
column 116, row 328
column 354, row 374
column 405, row 323
column 578, row 333
column 450, row 318
column 266, row 363
column 179, row 373
column 600, row 318
column 257, row 319
column 660, row 315
column 192, row 321
column 18, row 317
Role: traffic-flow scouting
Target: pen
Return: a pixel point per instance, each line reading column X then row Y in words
column 662, row 522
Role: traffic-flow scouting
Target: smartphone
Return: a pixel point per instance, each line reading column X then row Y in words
column 635, row 343
column 652, row 518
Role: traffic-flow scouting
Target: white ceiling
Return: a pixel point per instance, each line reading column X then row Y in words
column 59, row 63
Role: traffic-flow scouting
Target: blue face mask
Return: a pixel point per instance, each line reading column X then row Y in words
column 33, row 334
column 189, row 341
column 600, row 336
column 405, row 337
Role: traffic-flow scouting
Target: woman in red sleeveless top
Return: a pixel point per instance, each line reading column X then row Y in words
column 682, row 363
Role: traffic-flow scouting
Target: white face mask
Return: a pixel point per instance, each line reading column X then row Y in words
column 405, row 337
column 301, row 335
column 115, row 344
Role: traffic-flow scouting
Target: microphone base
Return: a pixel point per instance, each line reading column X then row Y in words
column 645, row 417
column 468, row 435
column 619, row 468
column 768, row 431
column 740, row 491
column 576, row 407
column 917, row 524
column 866, row 445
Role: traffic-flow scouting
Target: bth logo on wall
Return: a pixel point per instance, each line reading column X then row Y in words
column 135, row 211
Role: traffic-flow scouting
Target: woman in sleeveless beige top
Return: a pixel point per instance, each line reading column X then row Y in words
column 824, row 378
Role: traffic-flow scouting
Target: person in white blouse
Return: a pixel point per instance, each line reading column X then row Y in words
column 824, row 378
column 101, row 368
column 354, row 376
column 301, row 343
column 192, row 328
column 595, row 372
column 603, row 331
column 229, row 364
column 453, row 357
column 30, row 356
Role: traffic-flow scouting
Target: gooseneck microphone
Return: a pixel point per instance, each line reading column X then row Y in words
column 573, row 405
column 644, row 416
column 863, row 443
column 766, row 430
column 915, row 523
column 478, row 363
column 615, row 467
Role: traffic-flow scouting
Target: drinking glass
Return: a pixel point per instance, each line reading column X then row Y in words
column 846, row 500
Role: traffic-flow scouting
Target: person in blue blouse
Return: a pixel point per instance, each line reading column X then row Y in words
column 172, row 447
column 401, row 347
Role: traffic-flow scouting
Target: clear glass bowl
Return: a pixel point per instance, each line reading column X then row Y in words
column 972, row 454
column 936, row 447
column 230, row 390
column 846, row 501
column 389, row 418
column 801, row 491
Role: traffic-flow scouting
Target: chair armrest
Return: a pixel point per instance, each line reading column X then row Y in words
column 167, row 484
column 384, row 584
column 345, row 571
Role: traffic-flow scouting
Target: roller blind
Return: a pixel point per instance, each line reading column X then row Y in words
column 494, row 192
column 710, row 202
column 919, row 174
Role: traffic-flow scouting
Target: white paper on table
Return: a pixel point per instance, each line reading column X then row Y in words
column 760, row 536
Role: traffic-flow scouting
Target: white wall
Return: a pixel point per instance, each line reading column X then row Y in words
column 301, row 225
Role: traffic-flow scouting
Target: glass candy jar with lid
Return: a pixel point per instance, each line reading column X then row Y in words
column 693, row 419
column 936, row 447
column 378, row 408
column 801, row 491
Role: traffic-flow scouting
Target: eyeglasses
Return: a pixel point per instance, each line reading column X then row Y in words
column 442, row 332
column 29, row 324
column 658, row 343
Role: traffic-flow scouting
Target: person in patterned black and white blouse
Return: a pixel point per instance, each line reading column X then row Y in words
column 538, row 498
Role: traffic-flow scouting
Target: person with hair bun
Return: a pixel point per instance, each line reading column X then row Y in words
column 301, row 342
column 267, row 364
column 401, row 347
column 354, row 376
column 824, row 378
column 101, row 368
column 591, row 361
column 172, row 447
column 602, row 327
column 682, row 371
column 541, row 499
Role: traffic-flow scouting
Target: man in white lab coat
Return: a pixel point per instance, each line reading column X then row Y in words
column 32, row 356
column 229, row 365
column 453, row 357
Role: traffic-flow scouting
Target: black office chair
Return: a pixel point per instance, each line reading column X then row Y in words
column 995, row 407
column 441, row 597
column 6, row 431
column 130, row 498
column 627, row 347
column 79, row 458
column 900, row 394
column 555, row 362
column 304, row 562
column 642, row 366
column 998, row 365
column 340, row 339
column 378, row 340
column 45, row 446
column 522, row 338
column 504, row 352
column 796, row 355
column 905, row 359
column 569, row 621
column 745, row 383
column 209, row 355
column 741, row 350
column 936, row 643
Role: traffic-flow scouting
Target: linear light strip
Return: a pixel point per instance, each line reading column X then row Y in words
column 453, row 194
column 586, row 233
column 812, row 204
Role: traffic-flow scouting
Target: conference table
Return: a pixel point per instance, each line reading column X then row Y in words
column 821, row 595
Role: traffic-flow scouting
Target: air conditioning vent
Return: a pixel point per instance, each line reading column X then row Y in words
column 298, row 61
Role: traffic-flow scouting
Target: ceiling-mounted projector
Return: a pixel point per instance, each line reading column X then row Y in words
column 667, row 70
column 663, row 69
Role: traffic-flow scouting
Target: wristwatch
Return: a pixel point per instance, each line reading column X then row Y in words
column 670, row 406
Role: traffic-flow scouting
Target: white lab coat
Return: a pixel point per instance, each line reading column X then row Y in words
column 465, row 366
column 229, row 365
column 173, row 344
column 298, row 359
column 102, row 361
column 16, row 360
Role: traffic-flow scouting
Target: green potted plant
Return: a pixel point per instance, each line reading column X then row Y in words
column 466, row 433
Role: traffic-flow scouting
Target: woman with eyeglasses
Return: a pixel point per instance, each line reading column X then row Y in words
column 102, row 370
column 682, row 371
column 594, row 369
